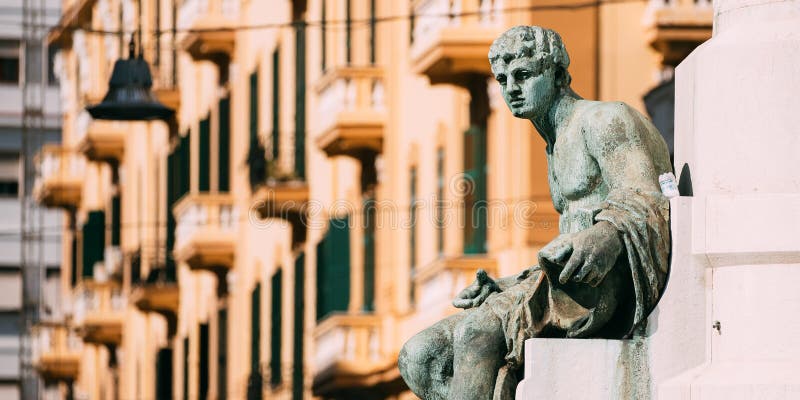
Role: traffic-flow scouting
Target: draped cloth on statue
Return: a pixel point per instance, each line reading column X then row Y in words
column 538, row 306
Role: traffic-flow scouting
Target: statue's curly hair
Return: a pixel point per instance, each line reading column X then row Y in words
column 535, row 42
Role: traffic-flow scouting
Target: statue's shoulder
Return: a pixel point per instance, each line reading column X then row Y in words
column 612, row 122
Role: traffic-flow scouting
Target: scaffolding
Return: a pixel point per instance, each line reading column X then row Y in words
column 34, row 82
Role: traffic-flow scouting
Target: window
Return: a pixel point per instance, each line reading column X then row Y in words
column 203, row 364
column 276, row 326
column 9, row 175
column 204, row 181
column 224, row 161
column 372, row 31
column 222, row 354
column 440, row 201
column 413, row 234
column 9, row 61
column 93, row 241
column 299, row 326
column 164, row 374
column 369, row 254
column 333, row 269
column 475, row 208
column 348, row 41
column 323, row 29
column 52, row 51
column 276, row 98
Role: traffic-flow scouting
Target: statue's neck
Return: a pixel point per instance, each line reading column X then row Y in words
column 560, row 111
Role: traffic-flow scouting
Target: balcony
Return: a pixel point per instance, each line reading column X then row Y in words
column 678, row 26
column 205, row 235
column 351, row 111
column 348, row 358
column 100, row 312
column 56, row 352
column 438, row 283
column 208, row 23
column 451, row 48
column 284, row 200
column 61, row 173
column 104, row 141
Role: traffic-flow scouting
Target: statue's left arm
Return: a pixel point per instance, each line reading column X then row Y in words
column 631, row 155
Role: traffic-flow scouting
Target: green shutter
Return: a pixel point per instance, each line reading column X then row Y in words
column 203, row 362
column 369, row 254
column 204, row 162
column 224, row 165
column 440, row 201
column 373, row 26
column 348, row 26
column 164, row 374
column 116, row 216
column 323, row 31
column 255, row 327
column 333, row 269
column 412, row 246
column 73, row 279
column 276, row 327
column 173, row 188
column 222, row 354
column 93, row 241
column 184, row 175
column 276, row 98
column 186, row 368
column 300, row 101
column 475, row 207
column 299, row 327
column 254, row 107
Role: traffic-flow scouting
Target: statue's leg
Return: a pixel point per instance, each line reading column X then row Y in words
column 479, row 350
column 426, row 360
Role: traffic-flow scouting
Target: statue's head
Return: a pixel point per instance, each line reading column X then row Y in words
column 530, row 63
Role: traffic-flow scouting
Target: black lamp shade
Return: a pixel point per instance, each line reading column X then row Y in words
column 129, row 96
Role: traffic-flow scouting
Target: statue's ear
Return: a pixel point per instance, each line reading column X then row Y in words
column 561, row 77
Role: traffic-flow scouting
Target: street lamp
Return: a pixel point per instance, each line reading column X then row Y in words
column 129, row 96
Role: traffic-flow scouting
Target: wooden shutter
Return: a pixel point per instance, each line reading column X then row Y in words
column 93, row 241
column 475, row 207
column 276, row 327
column 223, row 167
column 299, row 327
column 204, row 162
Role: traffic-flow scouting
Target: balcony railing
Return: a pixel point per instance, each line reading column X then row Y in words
column 352, row 111
column 678, row 26
column 349, row 359
column 60, row 180
column 452, row 37
column 56, row 352
column 440, row 282
column 284, row 200
column 99, row 312
column 102, row 140
column 205, row 235
column 199, row 17
column 348, row 339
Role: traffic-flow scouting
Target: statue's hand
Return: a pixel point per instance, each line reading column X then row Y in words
column 558, row 250
column 594, row 253
column 475, row 294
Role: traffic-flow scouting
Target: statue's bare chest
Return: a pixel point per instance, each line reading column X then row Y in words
column 572, row 172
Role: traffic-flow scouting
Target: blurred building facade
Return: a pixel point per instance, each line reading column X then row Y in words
column 14, row 67
column 330, row 185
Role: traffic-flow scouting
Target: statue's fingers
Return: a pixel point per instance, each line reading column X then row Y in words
column 482, row 296
column 561, row 252
column 469, row 292
column 462, row 303
column 575, row 261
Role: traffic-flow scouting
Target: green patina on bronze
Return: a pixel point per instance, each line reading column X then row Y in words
column 601, row 276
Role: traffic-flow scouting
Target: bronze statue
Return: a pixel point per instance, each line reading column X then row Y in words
column 602, row 275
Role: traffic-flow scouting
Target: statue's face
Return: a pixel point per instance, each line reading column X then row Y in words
column 528, row 89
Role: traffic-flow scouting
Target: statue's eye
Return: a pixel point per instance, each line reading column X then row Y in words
column 501, row 79
column 522, row 74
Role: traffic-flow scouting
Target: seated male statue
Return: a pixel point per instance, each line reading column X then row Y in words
column 602, row 275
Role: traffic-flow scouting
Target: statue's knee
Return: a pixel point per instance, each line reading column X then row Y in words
column 412, row 355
